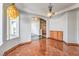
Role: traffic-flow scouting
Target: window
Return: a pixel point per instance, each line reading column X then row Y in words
column 12, row 22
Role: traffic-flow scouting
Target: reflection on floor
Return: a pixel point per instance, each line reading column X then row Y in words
column 45, row 47
column 36, row 37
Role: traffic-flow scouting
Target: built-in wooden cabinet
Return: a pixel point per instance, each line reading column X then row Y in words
column 57, row 35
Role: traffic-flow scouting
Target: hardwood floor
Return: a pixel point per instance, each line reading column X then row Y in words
column 45, row 47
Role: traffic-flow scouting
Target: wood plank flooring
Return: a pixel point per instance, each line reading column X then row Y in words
column 45, row 47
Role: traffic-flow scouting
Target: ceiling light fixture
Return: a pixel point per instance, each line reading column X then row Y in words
column 51, row 10
column 12, row 11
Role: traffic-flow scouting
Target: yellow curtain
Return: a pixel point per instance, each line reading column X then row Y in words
column 12, row 12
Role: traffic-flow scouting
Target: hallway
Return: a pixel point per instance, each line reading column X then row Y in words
column 45, row 47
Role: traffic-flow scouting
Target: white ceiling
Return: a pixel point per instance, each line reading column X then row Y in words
column 42, row 8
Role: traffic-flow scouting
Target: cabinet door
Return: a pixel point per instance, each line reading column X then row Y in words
column 60, row 36
column 53, row 34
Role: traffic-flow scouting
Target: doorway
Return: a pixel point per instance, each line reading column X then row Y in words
column 43, row 28
column 38, row 29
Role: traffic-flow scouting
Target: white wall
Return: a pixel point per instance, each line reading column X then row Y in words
column 78, row 26
column 35, row 27
column 72, row 26
column 47, row 28
column 25, row 27
column 59, row 23
column 1, row 24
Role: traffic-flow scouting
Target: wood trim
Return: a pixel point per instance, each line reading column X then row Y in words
column 13, row 48
column 69, row 44
column 55, row 39
column 72, row 44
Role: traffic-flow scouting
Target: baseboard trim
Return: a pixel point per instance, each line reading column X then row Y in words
column 69, row 44
column 55, row 39
column 72, row 44
column 13, row 48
